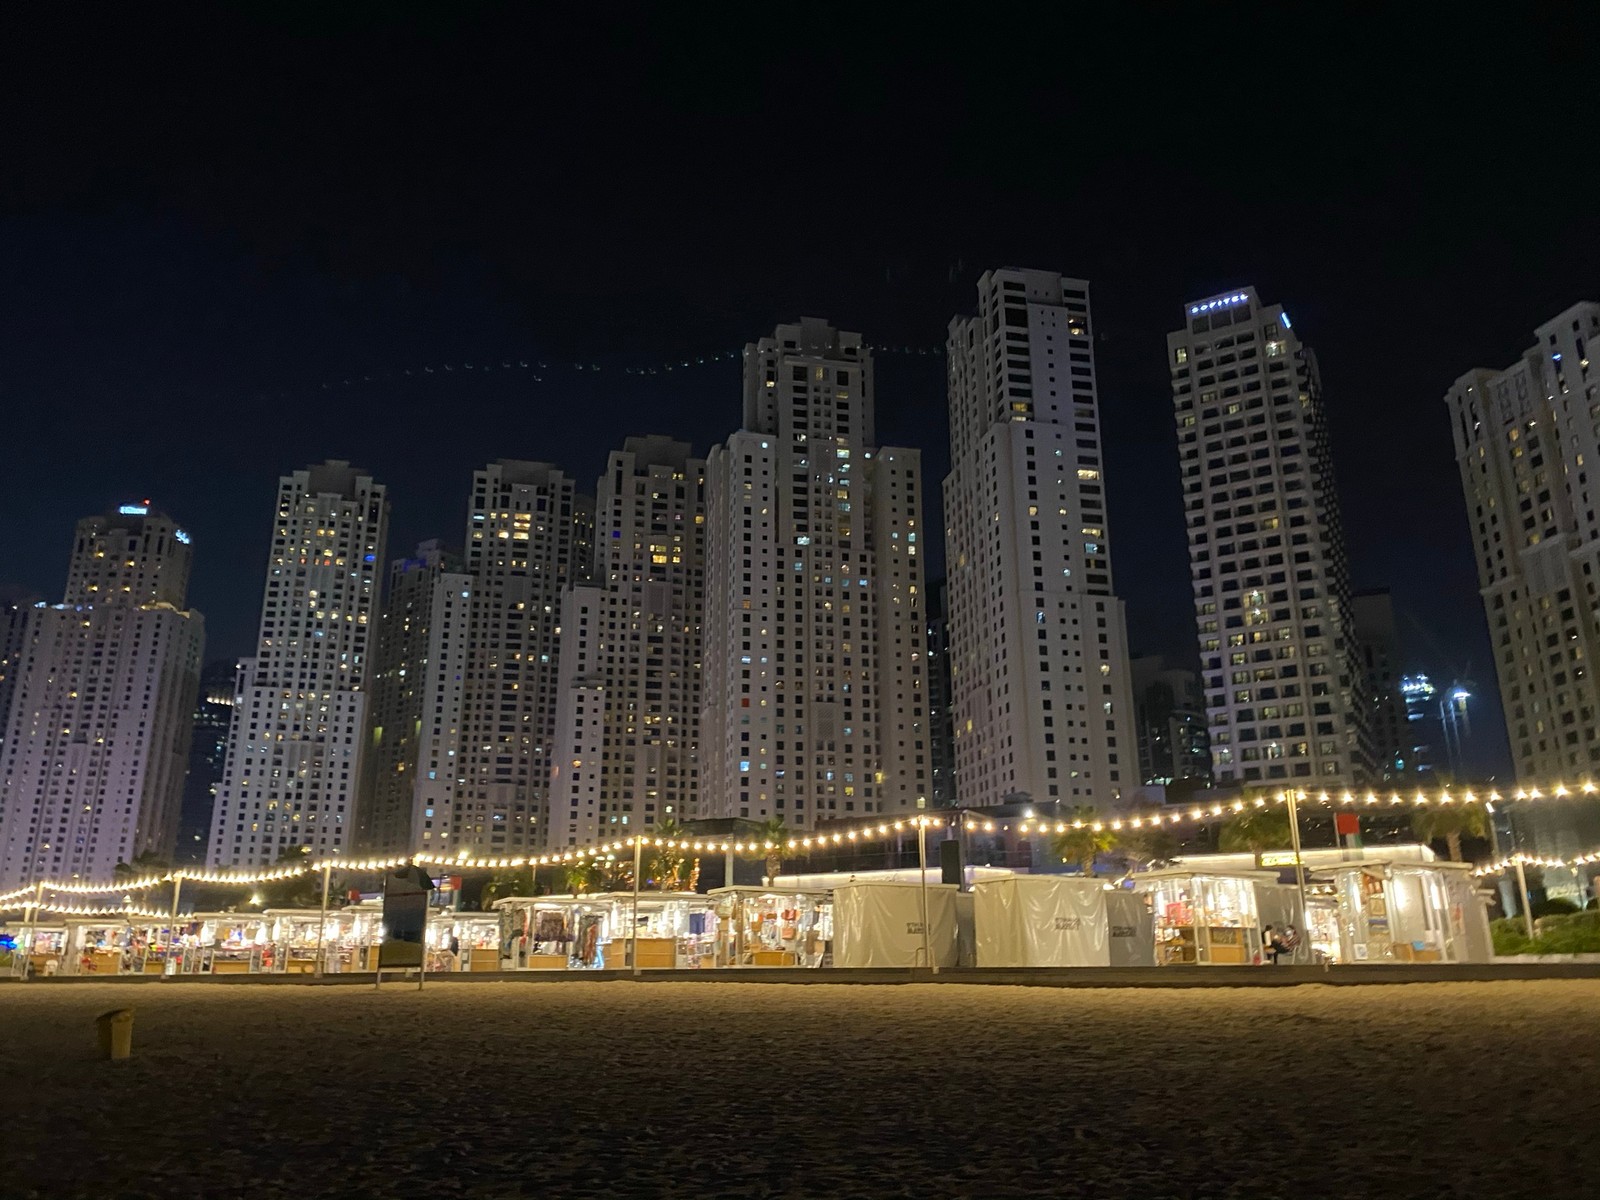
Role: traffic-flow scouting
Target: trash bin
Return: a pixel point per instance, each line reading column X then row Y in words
column 116, row 1033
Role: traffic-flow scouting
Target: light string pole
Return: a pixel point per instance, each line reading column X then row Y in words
column 922, row 885
column 638, row 859
column 322, row 917
column 1299, row 861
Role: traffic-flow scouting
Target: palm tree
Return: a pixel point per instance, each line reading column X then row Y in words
column 1256, row 830
column 580, row 877
column 1451, row 822
column 518, row 881
column 776, row 834
column 1148, row 845
column 666, row 864
column 1082, row 844
column 296, row 891
column 146, row 862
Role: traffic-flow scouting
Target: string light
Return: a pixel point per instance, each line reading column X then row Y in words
column 359, row 864
column 84, row 910
column 245, row 877
column 91, row 889
column 1530, row 860
column 820, row 840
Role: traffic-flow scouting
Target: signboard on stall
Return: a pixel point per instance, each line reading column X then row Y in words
column 405, row 917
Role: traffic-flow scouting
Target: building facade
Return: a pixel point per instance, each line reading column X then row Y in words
column 1039, row 666
column 815, row 684
column 92, row 762
column 522, row 553
column 1170, row 705
column 297, row 744
column 208, row 756
column 1378, row 645
column 941, row 711
column 418, row 677
column 1527, row 439
column 628, row 715
column 1284, row 685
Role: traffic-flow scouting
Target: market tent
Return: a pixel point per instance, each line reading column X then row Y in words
column 879, row 924
column 1132, row 940
column 1041, row 921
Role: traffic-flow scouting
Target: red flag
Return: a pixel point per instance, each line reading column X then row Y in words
column 1347, row 823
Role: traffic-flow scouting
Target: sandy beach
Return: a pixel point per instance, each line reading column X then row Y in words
column 683, row 1089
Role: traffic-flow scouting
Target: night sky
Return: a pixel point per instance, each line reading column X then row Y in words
column 226, row 236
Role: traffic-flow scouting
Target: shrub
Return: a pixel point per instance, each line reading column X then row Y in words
column 1564, row 933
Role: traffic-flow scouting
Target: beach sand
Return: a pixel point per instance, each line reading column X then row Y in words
column 619, row 1089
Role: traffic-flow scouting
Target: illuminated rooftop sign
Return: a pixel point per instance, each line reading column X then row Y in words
column 1224, row 302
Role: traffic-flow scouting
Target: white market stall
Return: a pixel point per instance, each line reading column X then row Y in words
column 674, row 929
column 113, row 946
column 1041, row 921
column 223, row 943
column 879, row 924
column 42, row 945
column 1204, row 918
column 771, row 926
column 462, row 941
column 349, row 939
column 1409, row 912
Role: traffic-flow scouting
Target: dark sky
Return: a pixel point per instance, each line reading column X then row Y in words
column 211, row 219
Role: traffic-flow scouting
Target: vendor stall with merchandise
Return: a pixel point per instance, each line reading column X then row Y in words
column 112, row 946
column 1041, row 921
column 770, row 926
column 461, row 941
column 673, row 929
column 1409, row 912
column 40, row 944
column 1204, row 918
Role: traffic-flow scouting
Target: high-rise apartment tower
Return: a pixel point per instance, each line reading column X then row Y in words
column 1284, row 686
column 300, row 718
column 815, row 693
column 418, row 675
column 1039, row 656
column 103, row 688
column 523, row 529
column 1527, row 441
column 628, row 716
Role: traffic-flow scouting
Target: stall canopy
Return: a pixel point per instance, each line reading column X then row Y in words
column 1041, row 921
column 879, row 924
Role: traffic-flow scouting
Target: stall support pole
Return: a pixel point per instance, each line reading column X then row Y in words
column 922, row 884
column 322, row 919
column 633, row 934
column 1299, row 867
column 727, row 865
column 172, row 924
column 1527, row 904
column 30, row 916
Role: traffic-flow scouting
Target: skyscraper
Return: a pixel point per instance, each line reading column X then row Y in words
column 522, row 531
column 419, row 670
column 628, row 715
column 92, row 762
column 941, row 714
column 208, row 755
column 13, row 632
column 1284, row 686
column 1171, row 708
column 1378, row 645
column 1040, row 657
column 1527, row 439
column 815, row 700
column 300, row 717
